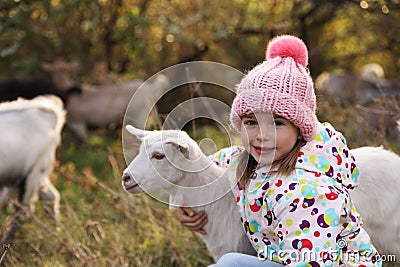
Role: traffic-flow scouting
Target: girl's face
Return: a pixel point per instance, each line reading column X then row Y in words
column 268, row 137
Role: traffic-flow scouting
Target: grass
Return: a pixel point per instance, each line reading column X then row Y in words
column 101, row 225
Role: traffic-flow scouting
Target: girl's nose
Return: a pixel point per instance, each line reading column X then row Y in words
column 265, row 133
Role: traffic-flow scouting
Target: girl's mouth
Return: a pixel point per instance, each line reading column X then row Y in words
column 264, row 150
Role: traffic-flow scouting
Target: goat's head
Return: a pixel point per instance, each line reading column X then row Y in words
column 60, row 72
column 164, row 158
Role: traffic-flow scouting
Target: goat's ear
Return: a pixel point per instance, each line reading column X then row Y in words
column 135, row 131
column 183, row 148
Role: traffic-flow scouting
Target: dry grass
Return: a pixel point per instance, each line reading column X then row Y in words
column 100, row 224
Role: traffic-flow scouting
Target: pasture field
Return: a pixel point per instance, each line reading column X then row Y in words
column 101, row 225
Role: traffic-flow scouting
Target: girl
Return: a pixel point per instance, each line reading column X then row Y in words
column 292, row 176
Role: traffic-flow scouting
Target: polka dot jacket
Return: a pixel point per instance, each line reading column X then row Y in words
column 306, row 218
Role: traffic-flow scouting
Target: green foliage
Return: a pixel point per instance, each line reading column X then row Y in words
column 138, row 38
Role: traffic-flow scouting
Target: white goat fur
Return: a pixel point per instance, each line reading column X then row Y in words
column 101, row 105
column 376, row 198
column 225, row 232
column 98, row 106
column 378, row 195
column 30, row 132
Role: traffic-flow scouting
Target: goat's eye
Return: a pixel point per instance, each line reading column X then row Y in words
column 158, row 156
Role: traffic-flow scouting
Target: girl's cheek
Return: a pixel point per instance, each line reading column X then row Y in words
column 244, row 136
column 247, row 147
column 245, row 143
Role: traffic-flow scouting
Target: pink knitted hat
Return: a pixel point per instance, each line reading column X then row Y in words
column 282, row 85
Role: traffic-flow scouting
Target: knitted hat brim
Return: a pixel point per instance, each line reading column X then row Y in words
column 294, row 111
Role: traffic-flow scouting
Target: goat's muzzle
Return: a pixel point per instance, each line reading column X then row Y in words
column 128, row 182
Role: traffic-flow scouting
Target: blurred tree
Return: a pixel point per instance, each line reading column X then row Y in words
column 136, row 38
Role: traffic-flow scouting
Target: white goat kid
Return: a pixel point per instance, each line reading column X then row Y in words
column 376, row 197
column 30, row 131
column 172, row 161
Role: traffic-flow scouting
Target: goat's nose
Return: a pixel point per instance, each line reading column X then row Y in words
column 126, row 177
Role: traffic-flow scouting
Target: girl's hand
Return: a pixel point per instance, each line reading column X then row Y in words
column 195, row 222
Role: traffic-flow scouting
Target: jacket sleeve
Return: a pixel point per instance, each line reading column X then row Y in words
column 222, row 157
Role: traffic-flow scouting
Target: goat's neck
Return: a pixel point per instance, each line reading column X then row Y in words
column 209, row 173
column 62, row 80
column 199, row 188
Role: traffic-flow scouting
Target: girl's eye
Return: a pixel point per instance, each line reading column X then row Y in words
column 279, row 123
column 158, row 156
column 249, row 122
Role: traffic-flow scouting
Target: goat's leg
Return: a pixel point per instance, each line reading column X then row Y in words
column 79, row 129
column 31, row 188
column 4, row 196
column 51, row 195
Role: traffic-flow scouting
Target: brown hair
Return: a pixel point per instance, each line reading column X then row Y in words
column 247, row 164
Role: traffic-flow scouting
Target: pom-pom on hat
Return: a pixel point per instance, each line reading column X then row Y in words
column 281, row 85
